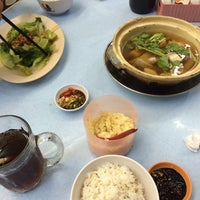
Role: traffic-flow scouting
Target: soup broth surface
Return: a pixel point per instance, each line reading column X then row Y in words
column 160, row 54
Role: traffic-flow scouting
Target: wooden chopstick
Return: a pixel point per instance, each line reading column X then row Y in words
column 20, row 31
column 8, row 44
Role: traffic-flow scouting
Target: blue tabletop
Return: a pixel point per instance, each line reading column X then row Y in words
column 163, row 124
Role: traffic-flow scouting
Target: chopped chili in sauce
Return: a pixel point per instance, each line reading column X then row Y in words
column 71, row 99
column 170, row 184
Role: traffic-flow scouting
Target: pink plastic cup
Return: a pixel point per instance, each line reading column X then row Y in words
column 109, row 103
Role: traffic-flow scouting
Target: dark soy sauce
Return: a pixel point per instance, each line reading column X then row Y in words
column 170, row 184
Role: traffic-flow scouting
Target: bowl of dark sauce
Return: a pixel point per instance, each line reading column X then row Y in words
column 172, row 181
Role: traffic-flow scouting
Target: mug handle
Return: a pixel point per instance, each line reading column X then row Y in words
column 51, row 137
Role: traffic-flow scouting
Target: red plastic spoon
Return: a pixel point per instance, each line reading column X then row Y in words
column 121, row 135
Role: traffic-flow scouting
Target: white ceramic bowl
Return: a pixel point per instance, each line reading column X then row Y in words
column 139, row 171
column 64, row 89
column 55, row 7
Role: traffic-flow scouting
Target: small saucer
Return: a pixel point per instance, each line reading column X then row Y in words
column 152, row 89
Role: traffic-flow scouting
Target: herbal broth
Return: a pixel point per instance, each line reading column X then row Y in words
column 160, row 54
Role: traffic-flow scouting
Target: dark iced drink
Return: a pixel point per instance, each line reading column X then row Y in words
column 22, row 164
column 21, row 161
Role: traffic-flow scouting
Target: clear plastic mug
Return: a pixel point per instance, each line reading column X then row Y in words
column 22, row 164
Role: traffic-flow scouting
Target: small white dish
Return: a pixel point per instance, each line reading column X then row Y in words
column 55, row 7
column 143, row 176
column 66, row 88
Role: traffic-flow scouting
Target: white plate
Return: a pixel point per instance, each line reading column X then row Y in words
column 15, row 76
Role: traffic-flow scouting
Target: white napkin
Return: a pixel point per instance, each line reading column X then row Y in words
column 192, row 142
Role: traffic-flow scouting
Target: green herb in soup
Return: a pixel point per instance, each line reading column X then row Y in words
column 26, row 57
column 160, row 54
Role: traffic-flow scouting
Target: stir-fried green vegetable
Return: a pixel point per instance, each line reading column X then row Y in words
column 158, row 45
column 26, row 55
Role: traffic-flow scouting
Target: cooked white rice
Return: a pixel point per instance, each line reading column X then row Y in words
column 112, row 182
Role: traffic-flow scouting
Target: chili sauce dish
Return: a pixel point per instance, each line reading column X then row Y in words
column 172, row 181
column 71, row 97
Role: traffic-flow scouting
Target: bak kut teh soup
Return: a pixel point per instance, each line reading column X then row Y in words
column 160, row 54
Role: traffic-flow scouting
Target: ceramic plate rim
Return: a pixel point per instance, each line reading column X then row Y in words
column 16, row 77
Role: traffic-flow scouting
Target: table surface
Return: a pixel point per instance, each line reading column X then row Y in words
column 163, row 124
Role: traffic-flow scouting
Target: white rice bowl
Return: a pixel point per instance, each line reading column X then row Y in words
column 135, row 175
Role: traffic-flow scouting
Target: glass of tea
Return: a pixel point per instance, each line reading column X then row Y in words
column 22, row 163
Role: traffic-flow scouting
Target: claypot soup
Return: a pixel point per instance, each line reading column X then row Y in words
column 160, row 53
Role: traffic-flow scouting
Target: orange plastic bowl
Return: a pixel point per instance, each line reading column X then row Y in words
column 178, row 169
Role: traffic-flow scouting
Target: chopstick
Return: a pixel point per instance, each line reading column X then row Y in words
column 8, row 44
column 25, row 35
